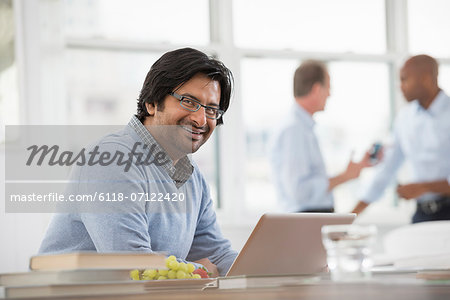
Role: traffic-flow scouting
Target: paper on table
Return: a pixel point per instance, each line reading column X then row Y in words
column 417, row 246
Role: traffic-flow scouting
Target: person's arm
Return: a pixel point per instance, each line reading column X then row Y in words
column 414, row 190
column 209, row 247
column 212, row 268
column 352, row 171
column 360, row 207
column 114, row 225
column 392, row 158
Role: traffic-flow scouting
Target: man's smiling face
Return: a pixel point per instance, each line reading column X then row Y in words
column 189, row 130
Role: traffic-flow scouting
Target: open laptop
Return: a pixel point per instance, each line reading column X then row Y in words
column 286, row 244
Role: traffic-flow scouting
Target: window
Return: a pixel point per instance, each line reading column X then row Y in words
column 357, row 114
column 9, row 90
column 169, row 21
column 311, row 25
column 266, row 95
column 444, row 78
column 428, row 27
column 103, row 86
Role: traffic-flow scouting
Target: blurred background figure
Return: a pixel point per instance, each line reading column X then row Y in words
column 421, row 136
column 297, row 164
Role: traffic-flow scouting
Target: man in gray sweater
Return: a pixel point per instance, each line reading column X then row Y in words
column 162, row 203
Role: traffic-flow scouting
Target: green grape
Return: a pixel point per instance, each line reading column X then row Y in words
column 196, row 276
column 173, row 265
column 181, row 274
column 172, row 274
column 183, row 267
column 177, row 270
column 190, row 268
column 134, row 274
column 163, row 272
column 170, row 260
column 145, row 277
column 172, row 257
column 150, row 273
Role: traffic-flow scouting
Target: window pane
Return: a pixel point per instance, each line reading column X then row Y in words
column 9, row 89
column 444, row 78
column 103, row 86
column 169, row 21
column 428, row 27
column 266, row 95
column 307, row 25
column 357, row 114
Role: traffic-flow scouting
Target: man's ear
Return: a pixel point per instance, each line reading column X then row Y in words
column 151, row 108
column 315, row 88
column 426, row 79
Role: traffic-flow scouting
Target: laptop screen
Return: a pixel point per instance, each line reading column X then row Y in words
column 286, row 244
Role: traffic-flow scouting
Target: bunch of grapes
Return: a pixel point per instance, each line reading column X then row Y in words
column 175, row 270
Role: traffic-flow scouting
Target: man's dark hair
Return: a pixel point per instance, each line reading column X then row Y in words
column 306, row 75
column 175, row 68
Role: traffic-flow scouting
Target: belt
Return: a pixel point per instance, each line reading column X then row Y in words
column 433, row 206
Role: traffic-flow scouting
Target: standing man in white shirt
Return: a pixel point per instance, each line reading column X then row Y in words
column 298, row 168
column 421, row 136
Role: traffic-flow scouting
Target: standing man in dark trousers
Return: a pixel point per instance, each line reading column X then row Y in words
column 421, row 136
column 297, row 164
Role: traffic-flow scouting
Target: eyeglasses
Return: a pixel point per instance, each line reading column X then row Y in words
column 193, row 105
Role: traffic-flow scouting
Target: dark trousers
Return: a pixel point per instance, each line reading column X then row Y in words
column 436, row 210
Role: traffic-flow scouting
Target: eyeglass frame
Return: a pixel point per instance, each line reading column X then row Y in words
column 180, row 98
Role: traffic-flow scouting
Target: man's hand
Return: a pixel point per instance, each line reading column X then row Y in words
column 354, row 169
column 360, row 206
column 411, row 191
column 212, row 268
column 351, row 172
column 414, row 190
